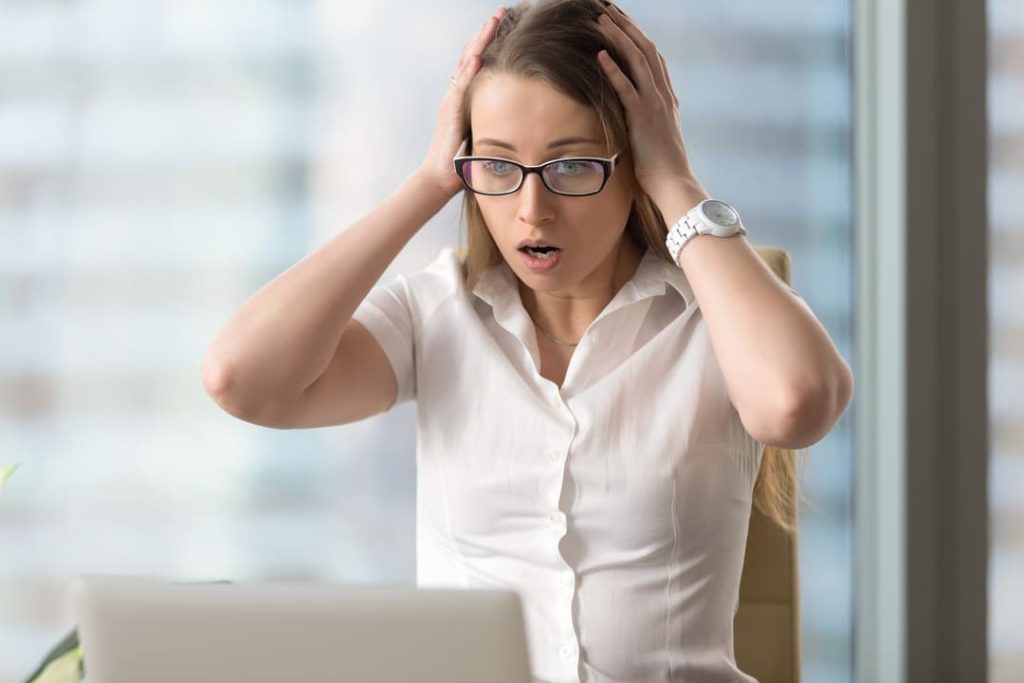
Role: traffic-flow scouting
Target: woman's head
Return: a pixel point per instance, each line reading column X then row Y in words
column 539, row 83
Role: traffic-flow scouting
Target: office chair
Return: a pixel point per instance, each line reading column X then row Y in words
column 767, row 623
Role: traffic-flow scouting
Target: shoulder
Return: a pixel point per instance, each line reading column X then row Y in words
column 439, row 282
column 441, row 277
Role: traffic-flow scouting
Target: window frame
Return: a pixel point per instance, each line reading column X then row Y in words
column 921, row 481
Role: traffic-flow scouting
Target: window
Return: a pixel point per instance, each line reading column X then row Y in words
column 160, row 161
column 785, row 162
column 1006, row 341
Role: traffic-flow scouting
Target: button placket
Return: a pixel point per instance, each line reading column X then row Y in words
column 565, row 581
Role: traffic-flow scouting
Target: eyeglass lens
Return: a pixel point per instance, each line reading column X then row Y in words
column 572, row 176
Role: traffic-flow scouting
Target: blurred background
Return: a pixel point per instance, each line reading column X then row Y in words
column 1006, row 340
column 161, row 161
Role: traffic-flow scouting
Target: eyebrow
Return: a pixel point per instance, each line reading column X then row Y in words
column 557, row 143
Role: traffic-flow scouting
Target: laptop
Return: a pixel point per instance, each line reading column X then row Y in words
column 135, row 629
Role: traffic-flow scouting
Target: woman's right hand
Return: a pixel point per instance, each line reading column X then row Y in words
column 447, row 137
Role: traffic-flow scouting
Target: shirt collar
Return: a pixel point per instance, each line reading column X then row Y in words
column 498, row 285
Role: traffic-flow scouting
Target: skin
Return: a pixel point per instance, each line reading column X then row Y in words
column 598, row 256
column 791, row 386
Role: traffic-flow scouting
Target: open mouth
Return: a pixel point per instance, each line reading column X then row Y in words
column 540, row 252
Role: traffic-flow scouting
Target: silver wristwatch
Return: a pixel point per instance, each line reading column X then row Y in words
column 710, row 217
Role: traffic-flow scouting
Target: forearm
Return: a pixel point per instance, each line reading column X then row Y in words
column 283, row 337
column 783, row 373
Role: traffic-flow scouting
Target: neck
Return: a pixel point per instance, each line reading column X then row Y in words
column 567, row 315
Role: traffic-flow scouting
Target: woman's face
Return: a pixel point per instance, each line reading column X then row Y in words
column 519, row 119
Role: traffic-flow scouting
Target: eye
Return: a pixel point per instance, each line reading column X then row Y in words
column 571, row 167
column 498, row 167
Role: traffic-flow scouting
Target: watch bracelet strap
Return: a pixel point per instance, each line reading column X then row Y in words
column 677, row 239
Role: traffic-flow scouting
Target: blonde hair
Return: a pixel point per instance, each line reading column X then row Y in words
column 556, row 41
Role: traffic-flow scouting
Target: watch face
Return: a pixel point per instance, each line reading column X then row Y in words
column 721, row 213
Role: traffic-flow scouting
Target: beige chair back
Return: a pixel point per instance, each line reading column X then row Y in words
column 767, row 623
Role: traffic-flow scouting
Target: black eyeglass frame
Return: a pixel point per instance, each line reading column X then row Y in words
column 607, row 164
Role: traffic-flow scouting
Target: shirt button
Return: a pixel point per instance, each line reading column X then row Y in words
column 597, row 338
column 565, row 651
column 564, row 579
column 555, row 455
column 556, row 518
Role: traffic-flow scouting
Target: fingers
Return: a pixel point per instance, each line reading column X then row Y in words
column 476, row 45
column 623, row 86
column 642, row 76
column 487, row 32
column 639, row 51
column 609, row 3
column 664, row 66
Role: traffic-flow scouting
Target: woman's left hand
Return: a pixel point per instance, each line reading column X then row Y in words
column 660, row 162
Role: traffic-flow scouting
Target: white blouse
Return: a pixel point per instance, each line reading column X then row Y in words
column 617, row 506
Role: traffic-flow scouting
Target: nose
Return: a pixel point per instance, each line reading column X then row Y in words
column 536, row 202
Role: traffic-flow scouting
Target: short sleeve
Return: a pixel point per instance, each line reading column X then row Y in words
column 386, row 312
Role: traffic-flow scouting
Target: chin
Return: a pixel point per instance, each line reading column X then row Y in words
column 557, row 281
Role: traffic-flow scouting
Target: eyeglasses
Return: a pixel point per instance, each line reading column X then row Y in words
column 571, row 176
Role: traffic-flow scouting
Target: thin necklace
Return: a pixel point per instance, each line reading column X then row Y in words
column 549, row 335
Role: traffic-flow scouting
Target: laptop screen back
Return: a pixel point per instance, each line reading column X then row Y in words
column 136, row 629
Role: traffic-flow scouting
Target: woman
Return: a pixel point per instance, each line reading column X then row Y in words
column 595, row 386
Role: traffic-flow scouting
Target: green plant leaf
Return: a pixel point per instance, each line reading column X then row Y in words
column 7, row 472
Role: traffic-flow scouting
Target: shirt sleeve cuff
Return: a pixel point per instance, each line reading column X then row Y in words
column 395, row 345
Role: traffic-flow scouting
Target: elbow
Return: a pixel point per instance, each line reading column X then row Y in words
column 215, row 379
column 221, row 384
column 240, row 400
column 806, row 415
